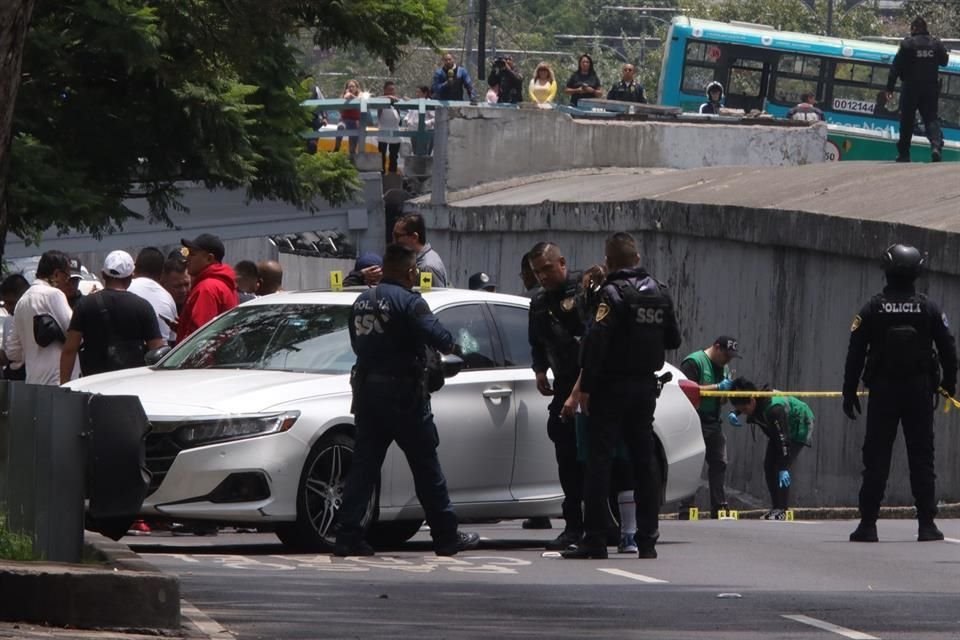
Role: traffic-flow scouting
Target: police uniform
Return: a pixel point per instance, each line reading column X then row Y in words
column 389, row 328
column 555, row 328
column 634, row 325
column 895, row 332
column 917, row 64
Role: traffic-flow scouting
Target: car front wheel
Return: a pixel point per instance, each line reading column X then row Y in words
column 320, row 495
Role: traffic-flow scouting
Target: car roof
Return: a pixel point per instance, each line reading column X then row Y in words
column 434, row 297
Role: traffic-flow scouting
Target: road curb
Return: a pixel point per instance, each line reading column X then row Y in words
column 125, row 592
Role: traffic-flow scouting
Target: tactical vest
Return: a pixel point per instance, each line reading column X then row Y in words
column 709, row 407
column 799, row 417
column 559, row 323
column 901, row 339
column 647, row 311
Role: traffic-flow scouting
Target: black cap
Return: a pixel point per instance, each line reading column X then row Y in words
column 76, row 269
column 206, row 242
column 728, row 345
column 481, row 280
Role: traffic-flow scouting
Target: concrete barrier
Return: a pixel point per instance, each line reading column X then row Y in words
column 486, row 145
column 780, row 258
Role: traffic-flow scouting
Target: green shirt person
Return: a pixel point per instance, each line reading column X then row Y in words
column 788, row 423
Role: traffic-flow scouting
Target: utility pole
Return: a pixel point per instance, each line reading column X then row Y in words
column 829, row 18
column 481, row 39
column 468, row 37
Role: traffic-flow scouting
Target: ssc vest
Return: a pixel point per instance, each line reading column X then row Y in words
column 799, row 417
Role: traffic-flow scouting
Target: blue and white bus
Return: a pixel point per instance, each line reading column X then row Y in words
column 766, row 69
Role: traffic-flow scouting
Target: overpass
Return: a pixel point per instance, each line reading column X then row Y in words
column 781, row 257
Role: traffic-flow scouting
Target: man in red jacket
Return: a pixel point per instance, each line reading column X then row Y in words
column 214, row 287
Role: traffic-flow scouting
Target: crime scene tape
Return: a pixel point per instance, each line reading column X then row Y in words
column 950, row 400
column 774, row 394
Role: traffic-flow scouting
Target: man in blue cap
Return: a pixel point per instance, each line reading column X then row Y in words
column 367, row 270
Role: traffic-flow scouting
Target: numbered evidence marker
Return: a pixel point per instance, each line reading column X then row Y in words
column 789, row 515
column 336, row 280
column 724, row 514
column 426, row 281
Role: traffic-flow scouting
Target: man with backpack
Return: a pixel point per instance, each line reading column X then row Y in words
column 111, row 329
column 788, row 423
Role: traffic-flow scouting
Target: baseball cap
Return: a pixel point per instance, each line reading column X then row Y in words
column 729, row 345
column 76, row 269
column 481, row 280
column 119, row 264
column 206, row 242
column 368, row 259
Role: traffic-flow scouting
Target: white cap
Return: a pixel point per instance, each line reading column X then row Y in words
column 119, row 264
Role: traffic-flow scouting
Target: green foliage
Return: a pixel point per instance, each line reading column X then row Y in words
column 943, row 18
column 125, row 99
column 788, row 15
column 14, row 546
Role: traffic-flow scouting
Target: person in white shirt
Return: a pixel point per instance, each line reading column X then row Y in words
column 148, row 270
column 11, row 290
column 389, row 120
column 44, row 300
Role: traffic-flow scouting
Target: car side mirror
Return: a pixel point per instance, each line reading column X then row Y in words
column 451, row 365
column 156, row 355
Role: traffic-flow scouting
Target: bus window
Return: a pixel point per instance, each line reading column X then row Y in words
column 745, row 81
column 699, row 66
column 796, row 75
column 950, row 99
column 861, row 89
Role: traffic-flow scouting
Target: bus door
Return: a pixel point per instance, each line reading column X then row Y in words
column 747, row 74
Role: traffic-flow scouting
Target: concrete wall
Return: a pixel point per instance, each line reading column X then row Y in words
column 485, row 145
column 787, row 284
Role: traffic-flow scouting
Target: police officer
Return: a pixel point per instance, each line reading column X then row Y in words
column 390, row 326
column 917, row 64
column 894, row 332
column 555, row 327
column 624, row 348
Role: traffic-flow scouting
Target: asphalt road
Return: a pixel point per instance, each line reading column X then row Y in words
column 719, row 580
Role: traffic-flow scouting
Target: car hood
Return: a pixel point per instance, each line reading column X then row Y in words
column 199, row 392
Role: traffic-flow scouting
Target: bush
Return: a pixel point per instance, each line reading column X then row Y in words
column 14, row 546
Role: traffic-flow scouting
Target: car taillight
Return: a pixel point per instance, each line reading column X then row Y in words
column 692, row 390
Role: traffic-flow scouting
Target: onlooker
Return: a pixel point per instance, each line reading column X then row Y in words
column 917, row 64
column 40, row 321
column 714, row 101
column 111, row 329
column 421, row 147
column 411, row 231
column 349, row 118
column 529, row 278
column 271, row 277
column 389, row 120
column 176, row 280
column 806, row 111
column 248, row 277
column 543, row 86
column 481, row 280
column 583, row 82
column 71, row 287
column 628, row 89
column 367, row 270
column 450, row 81
column 214, row 288
column 508, row 79
column 11, row 290
column 147, row 275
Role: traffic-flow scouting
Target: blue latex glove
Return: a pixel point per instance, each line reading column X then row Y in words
column 784, row 479
column 733, row 419
column 725, row 385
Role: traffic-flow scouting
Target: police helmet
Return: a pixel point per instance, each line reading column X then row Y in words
column 902, row 261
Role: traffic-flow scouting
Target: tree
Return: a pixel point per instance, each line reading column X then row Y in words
column 124, row 99
column 789, row 15
column 943, row 18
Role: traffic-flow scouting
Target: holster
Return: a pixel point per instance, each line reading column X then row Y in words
column 356, row 381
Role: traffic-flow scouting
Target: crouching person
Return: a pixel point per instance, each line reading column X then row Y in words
column 788, row 423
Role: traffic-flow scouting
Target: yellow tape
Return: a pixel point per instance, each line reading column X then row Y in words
column 774, row 394
column 950, row 401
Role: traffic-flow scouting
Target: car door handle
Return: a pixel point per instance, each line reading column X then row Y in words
column 497, row 392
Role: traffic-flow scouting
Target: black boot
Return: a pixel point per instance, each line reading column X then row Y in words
column 865, row 532
column 928, row 532
column 349, row 547
column 936, row 155
column 539, row 522
column 566, row 539
column 589, row 547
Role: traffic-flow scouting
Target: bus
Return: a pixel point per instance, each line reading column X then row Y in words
column 764, row 69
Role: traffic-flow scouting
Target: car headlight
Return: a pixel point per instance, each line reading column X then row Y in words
column 226, row 428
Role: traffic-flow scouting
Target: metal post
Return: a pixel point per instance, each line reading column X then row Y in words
column 829, row 18
column 481, row 39
column 438, row 177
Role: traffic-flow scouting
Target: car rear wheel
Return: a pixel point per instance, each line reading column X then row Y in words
column 320, row 495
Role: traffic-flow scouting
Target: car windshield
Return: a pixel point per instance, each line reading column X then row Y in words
column 281, row 337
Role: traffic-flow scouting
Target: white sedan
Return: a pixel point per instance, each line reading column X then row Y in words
column 251, row 425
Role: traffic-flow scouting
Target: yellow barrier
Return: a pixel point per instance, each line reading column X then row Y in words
column 949, row 401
